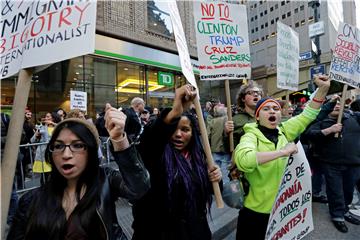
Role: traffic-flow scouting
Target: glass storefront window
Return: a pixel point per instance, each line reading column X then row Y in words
column 159, row 18
column 105, row 80
column 130, row 83
column 104, row 84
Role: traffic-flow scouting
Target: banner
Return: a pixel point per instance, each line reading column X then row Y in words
column 345, row 62
column 291, row 215
column 287, row 59
column 35, row 33
column 78, row 100
column 222, row 40
column 181, row 44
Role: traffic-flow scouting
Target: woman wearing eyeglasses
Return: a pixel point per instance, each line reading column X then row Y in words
column 262, row 155
column 78, row 200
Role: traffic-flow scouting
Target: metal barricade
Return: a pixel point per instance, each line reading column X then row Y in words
column 33, row 181
column 25, row 182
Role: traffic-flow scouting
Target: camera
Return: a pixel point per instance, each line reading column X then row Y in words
column 40, row 129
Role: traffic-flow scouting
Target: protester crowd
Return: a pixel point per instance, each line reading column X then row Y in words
column 163, row 170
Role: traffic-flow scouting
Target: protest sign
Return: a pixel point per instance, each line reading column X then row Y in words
column 287, row 59
column 78, row 100
column 187, row 71
column 345, row 62
column 291, row 215
column 35, row 33
column 181, row 44
column 222, row 40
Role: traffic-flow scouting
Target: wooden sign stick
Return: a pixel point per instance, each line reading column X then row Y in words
column 229, row 113
column 209, row 158
column 11, row 149
column 342, row 104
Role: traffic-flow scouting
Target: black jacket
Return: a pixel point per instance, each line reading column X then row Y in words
column 131, row 182
column 172, row 222
column 343, row 150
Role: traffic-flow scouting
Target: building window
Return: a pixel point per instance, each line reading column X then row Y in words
column 261, row 14
column 311, row 19
column 272, row 21
column 276, row 19
column 287, row 1
column 262, row 26
column 296, row 10
column 265, row 12
column 159, row 19
column 252, row 30
column 262, row 38
column 283, row 16
column 255, row 5
column 282, row 3
column 276, row 6
column 271, row 9
column 289, row 14
column 302, row 22
column 255, row 17
column 266, row 24
column 252, row 18
column 256, row 29
column 302, row 8
column 297, row 24
column 260, row 2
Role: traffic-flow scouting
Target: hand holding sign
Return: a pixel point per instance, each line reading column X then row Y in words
column 184, row 97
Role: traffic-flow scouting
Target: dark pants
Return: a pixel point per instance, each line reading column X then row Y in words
column 340, row 183
column 317, row 178
column 251, row 225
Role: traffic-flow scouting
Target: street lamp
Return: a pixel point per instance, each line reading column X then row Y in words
column 315, row 4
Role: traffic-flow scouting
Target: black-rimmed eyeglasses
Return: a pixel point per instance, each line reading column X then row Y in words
column 74, row 147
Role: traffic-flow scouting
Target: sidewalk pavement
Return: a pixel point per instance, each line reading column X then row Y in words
column 222, row 223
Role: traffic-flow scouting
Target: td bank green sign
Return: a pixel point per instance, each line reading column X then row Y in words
column 166, row 79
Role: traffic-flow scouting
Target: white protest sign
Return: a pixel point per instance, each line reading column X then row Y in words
column 181, row 44
column 222, row 40
column 35, row 33
column 78, row 100
column 287, row 59
column 291, row 215
column 345, row 62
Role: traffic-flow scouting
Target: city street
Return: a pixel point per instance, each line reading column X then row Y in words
column 223, row 223
column 323, row 227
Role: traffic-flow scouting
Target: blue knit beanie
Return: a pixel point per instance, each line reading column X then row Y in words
column 262, row 102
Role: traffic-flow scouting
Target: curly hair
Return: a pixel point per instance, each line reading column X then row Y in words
column 242, row 93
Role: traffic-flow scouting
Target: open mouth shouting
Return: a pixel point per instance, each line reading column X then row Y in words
column 273, row 121
column 67, row 168
column 178, row 144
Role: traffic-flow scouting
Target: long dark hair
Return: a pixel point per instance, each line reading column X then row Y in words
column 47, row 218
column 178, row 168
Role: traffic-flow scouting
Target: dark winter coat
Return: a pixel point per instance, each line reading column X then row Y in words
column 343, row 150
column 153, row 217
